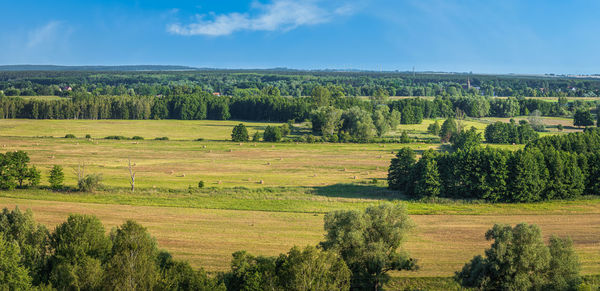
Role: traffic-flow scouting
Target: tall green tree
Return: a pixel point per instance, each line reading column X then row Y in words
column 519, row 260
column 400, row 170
column 32, row 240
column 80, row 247
column 583, row 117
column 132, row 264
column 369, row 242
column 448, row 129
column 56, row 177
column 426, row 176
column 272, row 134
column 312, row 269
column 13, row 274
column 180, row 276
column 320, row 96
column 240, row 133
column 467, row 139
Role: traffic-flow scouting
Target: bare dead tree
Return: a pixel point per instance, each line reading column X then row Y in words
column 132, row 176
column 80, row 172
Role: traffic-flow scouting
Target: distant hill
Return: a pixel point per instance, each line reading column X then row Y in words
column 96, row 68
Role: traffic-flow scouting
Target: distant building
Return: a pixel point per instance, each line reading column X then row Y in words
column 66, row 88
column 216, row 94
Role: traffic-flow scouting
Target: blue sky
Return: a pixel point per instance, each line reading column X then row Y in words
column 482, row 36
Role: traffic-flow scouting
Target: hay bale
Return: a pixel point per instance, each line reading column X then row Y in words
column 262, row 182
column 219, row 182
column 268, row 163
column 204, row 146
column 355, row 178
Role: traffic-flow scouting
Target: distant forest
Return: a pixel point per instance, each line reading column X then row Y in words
column 284, row 95
column 288, row 82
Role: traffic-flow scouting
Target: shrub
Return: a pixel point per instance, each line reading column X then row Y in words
column 69, row 135
column 272, row 134
column 560, row 127
column 56, row 177
column 88, row 136
column 162, row 138
column 201, row 184
column 239, row 133
column 285, row 129
column 116, row 137
column 90, row 183
column 404, row 137
column 200, row 139
column 137, row 137
column 256, row 136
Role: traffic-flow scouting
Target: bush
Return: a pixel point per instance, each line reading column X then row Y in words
column 201, row 184
column 272, row 134
column 285, row 129
column 116, row 137
column 560, row 127
column 256, row 136
column 137, row 137
column 90, row 183
column 88, row 136
column 69, row 135
column 404, row 137
column 56, row 177
column 239, row 133
column 199, row 139
column 162, row 138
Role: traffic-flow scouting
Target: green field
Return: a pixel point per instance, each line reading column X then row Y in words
column 262, row 197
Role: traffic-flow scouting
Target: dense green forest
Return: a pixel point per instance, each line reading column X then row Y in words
column 553, row 167
column 292, row 83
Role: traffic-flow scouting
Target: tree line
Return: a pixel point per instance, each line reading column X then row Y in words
column 290, row 83
column 555, row 167
column 269, row 105
column 359, row 250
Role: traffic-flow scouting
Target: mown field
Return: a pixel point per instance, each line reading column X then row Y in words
column 262, row 197
column 207, row 237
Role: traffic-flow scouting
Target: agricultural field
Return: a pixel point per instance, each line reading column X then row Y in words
column 262, row 197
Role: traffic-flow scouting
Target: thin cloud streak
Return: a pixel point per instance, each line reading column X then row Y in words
column 283, row 15
column 43, row 35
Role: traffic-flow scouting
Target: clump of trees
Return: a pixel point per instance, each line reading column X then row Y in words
column 355, row 123
column 369, row 242
column 508, row 133
column 78, row 255
column 544, row 170
column 360, row 248
column 583, row 117
column 16, row 172
column 519, row 259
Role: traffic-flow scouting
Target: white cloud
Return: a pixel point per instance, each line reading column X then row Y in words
column 44, row 34
column 278, row 15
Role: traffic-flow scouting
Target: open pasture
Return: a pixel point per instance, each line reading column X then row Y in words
column 207, row 237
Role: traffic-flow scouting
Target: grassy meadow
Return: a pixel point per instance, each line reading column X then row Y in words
column 263, row 197
column 207, row 237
